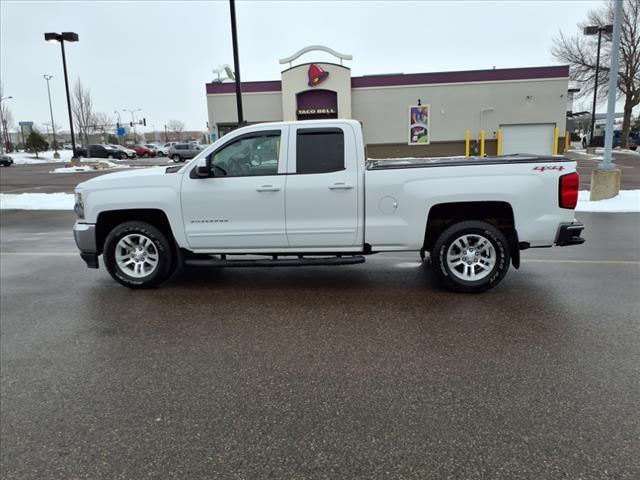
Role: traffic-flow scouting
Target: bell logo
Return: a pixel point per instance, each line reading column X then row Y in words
column 316, row 75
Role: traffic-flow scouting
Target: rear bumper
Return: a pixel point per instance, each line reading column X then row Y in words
column 85, row 237
column 569, row 234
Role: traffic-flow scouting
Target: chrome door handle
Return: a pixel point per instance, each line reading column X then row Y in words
column 267, row 188
column 340, row 186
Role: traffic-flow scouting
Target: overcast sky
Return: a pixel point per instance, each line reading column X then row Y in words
column 158, row 55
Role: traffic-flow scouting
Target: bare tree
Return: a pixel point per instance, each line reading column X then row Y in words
column 103, row 123
column 177, row 127
column 82, row 108
column 580, row 53
column 6, row 121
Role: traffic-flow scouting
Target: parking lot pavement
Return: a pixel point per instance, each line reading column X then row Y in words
column 36, row 178
column 365, row 371
column 628, row 163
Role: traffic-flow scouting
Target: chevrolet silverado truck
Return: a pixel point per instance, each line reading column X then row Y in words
column 303, row 193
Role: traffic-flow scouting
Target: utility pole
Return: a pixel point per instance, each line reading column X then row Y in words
column 53, row 126
column 605, row 180
column 236, row 61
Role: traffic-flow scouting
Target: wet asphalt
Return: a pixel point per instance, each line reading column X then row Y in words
column 365, row 372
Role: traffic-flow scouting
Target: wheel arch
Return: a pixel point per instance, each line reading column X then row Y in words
column 498, row 213
column 109, row 219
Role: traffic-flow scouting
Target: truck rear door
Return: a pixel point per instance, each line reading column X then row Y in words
column 322, row 189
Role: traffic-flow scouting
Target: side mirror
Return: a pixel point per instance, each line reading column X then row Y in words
column 202, row 171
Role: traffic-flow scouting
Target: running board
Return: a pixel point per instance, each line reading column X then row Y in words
column 274, row 262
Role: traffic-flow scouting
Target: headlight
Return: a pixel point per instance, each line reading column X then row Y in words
column 78, row 207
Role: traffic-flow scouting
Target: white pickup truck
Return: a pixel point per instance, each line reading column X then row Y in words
column 304, row 193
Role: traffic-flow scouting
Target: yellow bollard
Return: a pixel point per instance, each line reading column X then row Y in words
column 555, row 141
column 499, row 151
column 567, row 141
column 467, row 138
column 482, row 143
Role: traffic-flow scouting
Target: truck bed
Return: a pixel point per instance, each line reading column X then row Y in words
column 391, row 163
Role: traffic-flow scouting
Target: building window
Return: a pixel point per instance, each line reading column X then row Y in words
column 319, row 150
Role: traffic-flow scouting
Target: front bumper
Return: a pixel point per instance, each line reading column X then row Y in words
column 569, row 234
column 85, row 237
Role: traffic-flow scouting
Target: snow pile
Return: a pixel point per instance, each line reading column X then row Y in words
column 22, row 158
column 37, row 201
column 101, row 165
column 626, row 201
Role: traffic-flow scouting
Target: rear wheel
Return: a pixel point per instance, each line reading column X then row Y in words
column 471, row 256
column 110, row 157
column 146, row 155
column 160, row 154
column 138, row 255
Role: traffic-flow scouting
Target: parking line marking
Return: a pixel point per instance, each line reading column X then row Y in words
column 596, row 262
column 40, row 254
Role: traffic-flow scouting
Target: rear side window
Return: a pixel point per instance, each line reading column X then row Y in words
column 319, row 150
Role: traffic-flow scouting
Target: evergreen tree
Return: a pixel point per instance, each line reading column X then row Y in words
column 36, row 143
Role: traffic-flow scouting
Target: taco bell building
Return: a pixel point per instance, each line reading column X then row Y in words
column 417, row 114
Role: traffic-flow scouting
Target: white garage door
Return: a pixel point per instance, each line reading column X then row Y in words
column 528, row 138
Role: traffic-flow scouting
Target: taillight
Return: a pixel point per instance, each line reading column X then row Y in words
column 568, row 194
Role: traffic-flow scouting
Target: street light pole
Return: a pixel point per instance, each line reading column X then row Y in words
column 69, row 37
column 613, row 80
column 592, row 30
column 53, row 126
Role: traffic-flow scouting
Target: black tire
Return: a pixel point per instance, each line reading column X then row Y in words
column 176, row 158
column 166, row 263
column 160, row 154
column 110, row 157
column 145, row 155
column 475, row 229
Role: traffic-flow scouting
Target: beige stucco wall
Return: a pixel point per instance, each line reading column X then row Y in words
column 296, row 79
column 257, row 107
column 384, row 111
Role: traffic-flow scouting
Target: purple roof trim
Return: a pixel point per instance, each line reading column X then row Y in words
column 247, row 87
column 464, row 76
column 529, row 73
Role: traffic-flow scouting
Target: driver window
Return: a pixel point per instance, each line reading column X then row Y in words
column 248, row 156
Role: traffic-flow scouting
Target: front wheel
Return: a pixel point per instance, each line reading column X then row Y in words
column 176, row 158
column 160, row 154
column 138, row 255
column 471, row 256
column 145, row 155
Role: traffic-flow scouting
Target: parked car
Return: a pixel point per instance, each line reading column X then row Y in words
column 130, row 153
column 598, row 140
column 472, row 216
column 99, row 151
column 170, row 144
column 184, row 151
column 105, row 151
column 142, row 151
column 160, row 150
column 67, row 146
column 80, row 152
column 6, row 160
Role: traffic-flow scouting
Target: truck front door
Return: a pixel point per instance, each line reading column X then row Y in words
column 241, row 205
